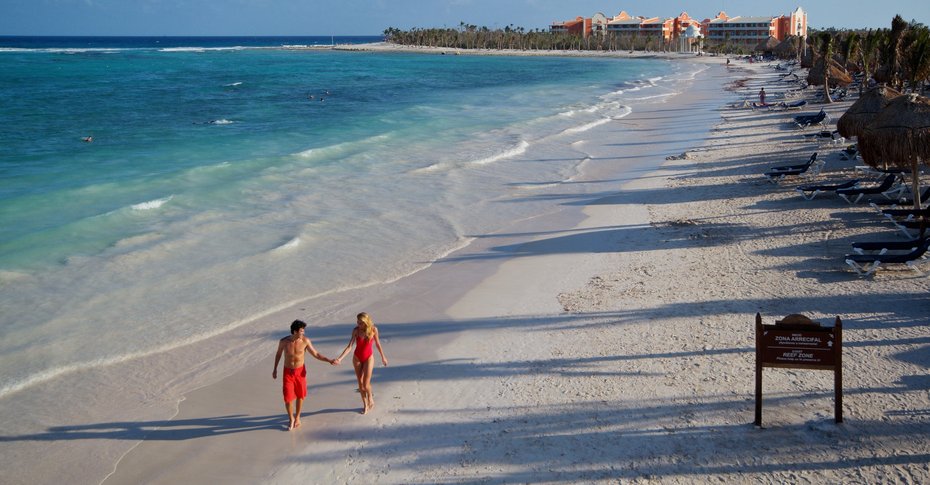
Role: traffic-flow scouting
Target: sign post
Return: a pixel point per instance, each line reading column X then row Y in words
column 796, row 342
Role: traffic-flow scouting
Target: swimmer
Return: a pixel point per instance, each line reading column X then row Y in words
column 87, row 139
column 363, row 336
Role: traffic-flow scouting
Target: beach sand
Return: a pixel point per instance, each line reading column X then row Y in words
column 611, row 340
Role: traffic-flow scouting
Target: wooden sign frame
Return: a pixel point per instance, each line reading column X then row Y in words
column 796, row 342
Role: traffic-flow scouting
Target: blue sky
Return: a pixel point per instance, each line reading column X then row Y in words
column 371, row 17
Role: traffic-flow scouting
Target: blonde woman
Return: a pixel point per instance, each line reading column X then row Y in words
column 364, row 335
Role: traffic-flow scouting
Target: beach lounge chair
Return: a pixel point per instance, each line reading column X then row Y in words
column 909, row 226
column 857, row 193
column 906, row 214
column 810, row 168
column 882, row 204
column 866, row 264
column 811, row 191
column 804, row 121
column 782, row 105
column 882, row 247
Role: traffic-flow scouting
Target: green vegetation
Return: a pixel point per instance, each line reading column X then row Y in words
column 474, row 37
column 898, row 56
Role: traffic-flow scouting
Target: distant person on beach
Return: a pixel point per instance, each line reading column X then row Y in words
column 295, row 373
column 762, row 96
column 364, row 335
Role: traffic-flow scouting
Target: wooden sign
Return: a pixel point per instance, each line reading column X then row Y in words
column 796, row 342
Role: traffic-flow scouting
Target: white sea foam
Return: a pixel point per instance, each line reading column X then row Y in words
column 221, row 122
column 200, row 49
column 435, row 167
column 238, row 83
column 587, row 126
column 340, row 148
column 152, row 204
column 293, row 243
column 517, row 150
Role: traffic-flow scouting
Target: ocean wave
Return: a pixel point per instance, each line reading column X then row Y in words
column 517, row 150
column 654, row 96
column 202, row 49
column 238, row 83
column 586, row 126
column 435, row 167
column 341, row 148
column 65, row 50
column 293, row 243
column 152, row 204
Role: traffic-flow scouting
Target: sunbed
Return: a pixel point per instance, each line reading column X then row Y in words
column 866, row 264
column 860, row 192
column 811, row 191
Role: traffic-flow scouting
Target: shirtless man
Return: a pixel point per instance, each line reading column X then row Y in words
column 295, row 373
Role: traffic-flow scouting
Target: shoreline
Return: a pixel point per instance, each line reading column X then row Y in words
column 423, row 311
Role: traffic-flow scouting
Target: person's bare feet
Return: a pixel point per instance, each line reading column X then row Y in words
column 297, row 423
column 290, row 424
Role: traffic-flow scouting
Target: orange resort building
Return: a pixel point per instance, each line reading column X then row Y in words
column 687, row 31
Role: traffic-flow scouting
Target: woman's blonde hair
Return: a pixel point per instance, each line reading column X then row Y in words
column 368, row 326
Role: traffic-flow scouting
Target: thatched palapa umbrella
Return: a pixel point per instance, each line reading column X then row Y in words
column 865, row 110
column 788, row 48
column 767, row 45
column 836, row 74
column 900, row 135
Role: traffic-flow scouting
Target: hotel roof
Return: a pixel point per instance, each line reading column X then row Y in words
column 743, row 20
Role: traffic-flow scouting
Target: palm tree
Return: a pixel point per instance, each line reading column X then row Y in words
column 868, row 46
column 893, row 50
column 916, row 58
column 849, row 48
column 826, row 52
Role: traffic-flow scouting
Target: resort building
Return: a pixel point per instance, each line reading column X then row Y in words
column 747, row 31
column 579, row 26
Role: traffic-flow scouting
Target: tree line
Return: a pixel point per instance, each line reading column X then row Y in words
column 898, row 56
column 468, row 36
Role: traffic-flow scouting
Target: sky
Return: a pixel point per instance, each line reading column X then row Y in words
column 372, row 17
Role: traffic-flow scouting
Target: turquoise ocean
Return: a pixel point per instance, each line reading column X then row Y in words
column 228, row 178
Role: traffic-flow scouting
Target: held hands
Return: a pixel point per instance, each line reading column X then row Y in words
column 334, row 361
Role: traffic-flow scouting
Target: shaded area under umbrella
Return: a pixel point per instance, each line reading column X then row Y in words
column 900, row 136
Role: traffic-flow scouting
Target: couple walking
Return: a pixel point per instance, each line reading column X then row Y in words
column 294, row 380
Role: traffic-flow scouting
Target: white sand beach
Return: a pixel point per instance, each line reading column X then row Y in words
column 609, row 341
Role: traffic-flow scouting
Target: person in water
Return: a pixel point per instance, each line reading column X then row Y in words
column 364, row 335
column 295, row 373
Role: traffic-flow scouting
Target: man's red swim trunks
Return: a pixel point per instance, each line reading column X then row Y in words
column 295, row 383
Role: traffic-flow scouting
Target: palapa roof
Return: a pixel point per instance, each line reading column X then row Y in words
column 900, row 135
column 767, row 45
column 837, row 76
column 788, row 47
column 865, row 110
